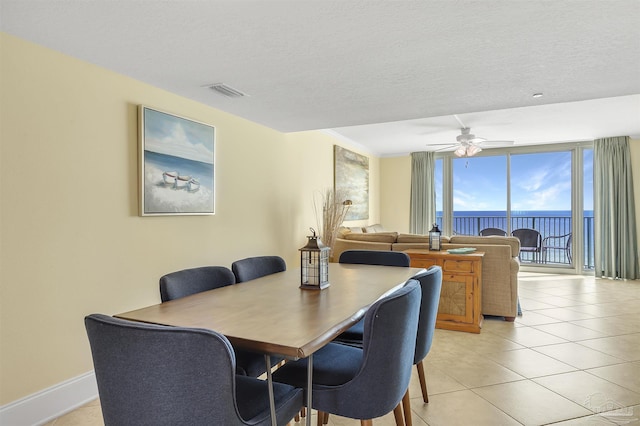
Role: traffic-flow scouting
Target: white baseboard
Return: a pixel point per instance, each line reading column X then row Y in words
column 46, row 405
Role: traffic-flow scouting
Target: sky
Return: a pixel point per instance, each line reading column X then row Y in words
column 180, row 137
column 540, row 181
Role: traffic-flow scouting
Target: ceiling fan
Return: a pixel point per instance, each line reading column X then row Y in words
column 468, row 144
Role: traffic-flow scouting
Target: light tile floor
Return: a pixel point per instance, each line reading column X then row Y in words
column 573, row 358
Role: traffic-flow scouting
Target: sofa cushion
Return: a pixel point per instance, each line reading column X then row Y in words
column 373, row 228
column 416, row 238
column 491, row 239
column 343, row 230
column 380, row 237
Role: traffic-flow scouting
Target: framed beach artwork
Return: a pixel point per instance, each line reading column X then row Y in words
column 176, row 165
column 351, row 177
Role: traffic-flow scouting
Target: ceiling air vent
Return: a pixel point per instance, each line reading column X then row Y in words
column 227, row 91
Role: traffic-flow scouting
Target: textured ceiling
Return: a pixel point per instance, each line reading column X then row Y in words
column 315, row 64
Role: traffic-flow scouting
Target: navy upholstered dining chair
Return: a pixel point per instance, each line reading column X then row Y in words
column 195, row 280
column 256, row 267
column 353, row 335
column 430, row 286
column 375, row 257
column 149, row 374
column 368, row 382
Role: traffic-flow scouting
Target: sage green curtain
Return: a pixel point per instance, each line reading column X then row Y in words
column 616, row 248
column 423, row 193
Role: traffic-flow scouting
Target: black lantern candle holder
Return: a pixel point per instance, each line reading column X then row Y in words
column 434, row 238
column 314, row 264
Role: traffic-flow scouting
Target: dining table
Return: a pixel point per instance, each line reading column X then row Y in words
column 274, row 316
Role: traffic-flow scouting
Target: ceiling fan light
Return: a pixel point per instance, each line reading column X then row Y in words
column 461, row 151
column 473, row 150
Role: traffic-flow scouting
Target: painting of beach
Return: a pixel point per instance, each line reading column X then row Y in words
column 177, row 165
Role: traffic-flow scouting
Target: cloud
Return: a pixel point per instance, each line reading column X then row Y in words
column 179, row 137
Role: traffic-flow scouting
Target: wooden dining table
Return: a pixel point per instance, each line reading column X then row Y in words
column 274, row 316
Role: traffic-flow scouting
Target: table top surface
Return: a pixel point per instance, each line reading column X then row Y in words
column 273, row 315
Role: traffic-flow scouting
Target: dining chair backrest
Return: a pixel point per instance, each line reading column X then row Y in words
column 195, row 280
column 375, row 257
column 191, row 281
column 256, row 267
column 431, row 286
column 493, row 231
column 392, row 322
column 155, row 375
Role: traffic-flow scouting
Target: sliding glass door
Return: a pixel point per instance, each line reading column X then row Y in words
column 479, row 194
column 543, row 197
column 541, row 200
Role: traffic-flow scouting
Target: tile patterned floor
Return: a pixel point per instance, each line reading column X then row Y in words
column 573, row 358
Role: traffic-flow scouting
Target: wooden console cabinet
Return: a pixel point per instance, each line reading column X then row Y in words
column 461, row 296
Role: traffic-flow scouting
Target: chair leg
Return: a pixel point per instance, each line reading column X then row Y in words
column 366, row 422
column 406, row 408
column 325, row 420
column 320, row 418
column 397, row 413
column 423, row 382
column 296, row 418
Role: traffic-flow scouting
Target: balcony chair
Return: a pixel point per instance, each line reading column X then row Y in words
column 557, row 242
column 530, row 241
column 256, row 267
column 368, row 382
column 493, row 231
column 353, row 335
column 195, row 280
column 149, row 374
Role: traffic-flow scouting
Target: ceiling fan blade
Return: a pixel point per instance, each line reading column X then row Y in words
column 505, row 143
column 477, row 140
column 446, row 148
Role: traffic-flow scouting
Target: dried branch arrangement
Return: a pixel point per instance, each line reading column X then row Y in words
column 331, row 209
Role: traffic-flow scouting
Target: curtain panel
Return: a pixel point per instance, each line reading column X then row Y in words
column 423, row 194
column 616, row 250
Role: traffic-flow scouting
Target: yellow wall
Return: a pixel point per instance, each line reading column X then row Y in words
column 395, row 193
column 72, row 242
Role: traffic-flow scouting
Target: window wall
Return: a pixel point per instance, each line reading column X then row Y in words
column 544, row 193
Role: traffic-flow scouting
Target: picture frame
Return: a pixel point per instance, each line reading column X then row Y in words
column 177, row 164
column 351, row 178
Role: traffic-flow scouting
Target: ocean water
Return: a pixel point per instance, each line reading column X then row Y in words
column 201, row 171
column 547, row 222
column 518, row 213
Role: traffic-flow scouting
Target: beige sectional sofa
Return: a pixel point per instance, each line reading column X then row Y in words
column 500, row 265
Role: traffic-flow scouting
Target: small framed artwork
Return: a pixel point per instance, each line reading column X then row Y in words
column 176, row 164
column 351, row 177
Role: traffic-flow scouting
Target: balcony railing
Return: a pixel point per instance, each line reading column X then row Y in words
column 546, row 225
